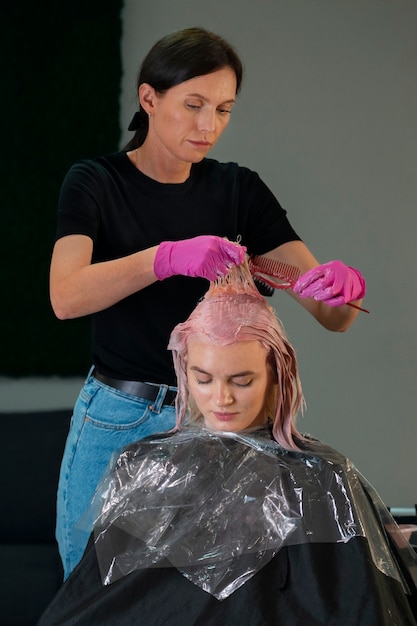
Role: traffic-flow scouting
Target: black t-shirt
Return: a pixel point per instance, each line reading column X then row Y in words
column 124, row 211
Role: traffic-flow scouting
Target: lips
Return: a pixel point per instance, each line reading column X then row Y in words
column 224, row 417
column 201, row 144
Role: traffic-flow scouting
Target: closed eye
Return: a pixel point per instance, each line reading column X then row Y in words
column 203, row 382
column 247, row 384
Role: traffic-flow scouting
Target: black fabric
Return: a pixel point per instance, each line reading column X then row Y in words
column 362, row 578
column 310, row 584
column 124, row 211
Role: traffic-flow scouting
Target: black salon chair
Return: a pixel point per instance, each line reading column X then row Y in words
column 31, row 447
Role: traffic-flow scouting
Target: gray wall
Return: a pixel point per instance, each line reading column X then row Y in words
column 327, row 116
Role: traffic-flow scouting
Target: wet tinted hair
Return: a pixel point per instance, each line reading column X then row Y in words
column 234, row 310
column 176, row 58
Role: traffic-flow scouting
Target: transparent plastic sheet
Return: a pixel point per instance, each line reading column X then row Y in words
column 219, row 506
column 405, row 553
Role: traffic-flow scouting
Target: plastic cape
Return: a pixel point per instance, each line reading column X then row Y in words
column 219, row 506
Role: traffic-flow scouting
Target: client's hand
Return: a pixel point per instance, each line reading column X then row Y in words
column 333, row 283
column 206, row 256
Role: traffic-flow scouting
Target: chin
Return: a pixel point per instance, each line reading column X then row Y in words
column 198, row 158
column 228, row 427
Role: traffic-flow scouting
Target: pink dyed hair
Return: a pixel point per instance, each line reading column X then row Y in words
column 234, row 310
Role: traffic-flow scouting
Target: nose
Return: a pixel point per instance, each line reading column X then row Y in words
column 207, row 120
column 224, row 396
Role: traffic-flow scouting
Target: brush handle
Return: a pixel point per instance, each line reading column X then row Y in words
column 355, row 306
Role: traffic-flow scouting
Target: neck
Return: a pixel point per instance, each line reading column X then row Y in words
column 159, row 169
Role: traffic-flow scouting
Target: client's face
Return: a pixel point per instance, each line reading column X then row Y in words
column 228, row 383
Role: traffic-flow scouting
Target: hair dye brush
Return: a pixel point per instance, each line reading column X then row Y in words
column 272, row 274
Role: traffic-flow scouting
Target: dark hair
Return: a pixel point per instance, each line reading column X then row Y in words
column 176, row 58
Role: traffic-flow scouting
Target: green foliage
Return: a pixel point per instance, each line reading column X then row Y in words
column 61, row 70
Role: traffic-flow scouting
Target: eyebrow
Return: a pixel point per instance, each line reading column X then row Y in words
column 195, row 368
column 198, row 95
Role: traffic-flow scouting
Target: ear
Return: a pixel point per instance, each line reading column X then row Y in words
column 147, row 98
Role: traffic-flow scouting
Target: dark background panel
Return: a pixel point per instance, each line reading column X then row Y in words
column 61, row 70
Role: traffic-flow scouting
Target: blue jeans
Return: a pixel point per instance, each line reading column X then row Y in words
column 104, row 421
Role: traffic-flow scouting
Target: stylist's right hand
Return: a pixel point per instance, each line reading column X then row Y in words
column 206, row 256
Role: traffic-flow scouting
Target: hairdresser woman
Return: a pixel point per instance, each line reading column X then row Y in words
column 139, row 233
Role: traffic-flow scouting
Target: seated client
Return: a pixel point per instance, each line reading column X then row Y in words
column 236, row 517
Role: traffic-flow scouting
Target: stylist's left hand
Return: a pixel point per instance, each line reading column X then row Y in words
column 333, row 283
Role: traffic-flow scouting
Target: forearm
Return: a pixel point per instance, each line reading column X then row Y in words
column 336, row 319
column 88, row 288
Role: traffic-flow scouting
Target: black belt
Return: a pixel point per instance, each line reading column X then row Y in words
column 136, row 388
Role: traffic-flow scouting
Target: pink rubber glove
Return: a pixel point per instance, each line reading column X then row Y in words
column 333, row 283
column 206, row 256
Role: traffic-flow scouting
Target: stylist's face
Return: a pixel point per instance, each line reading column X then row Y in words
column 229, row 383
column 186, row 121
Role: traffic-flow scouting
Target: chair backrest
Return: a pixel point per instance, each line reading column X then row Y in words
column 31, row 448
